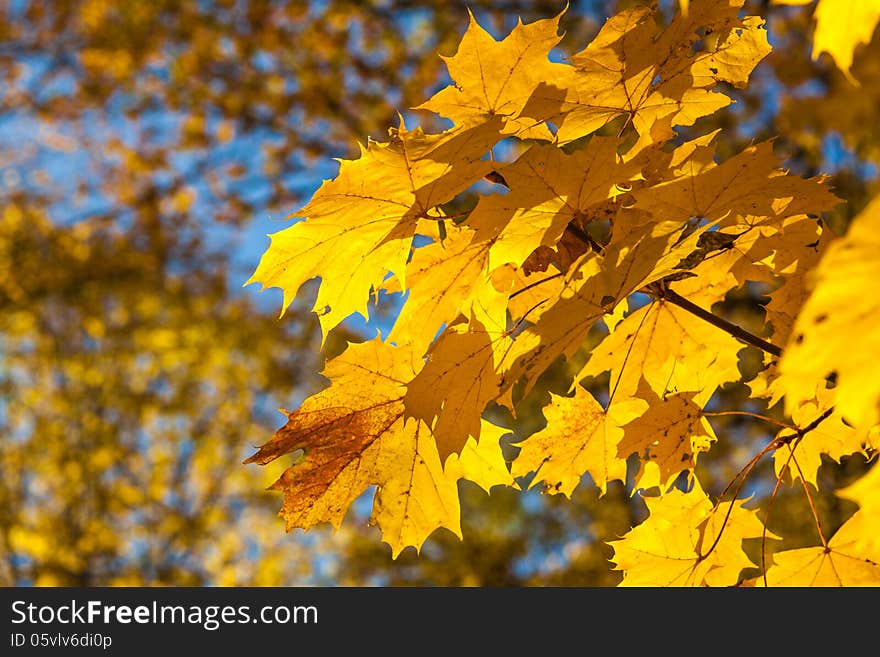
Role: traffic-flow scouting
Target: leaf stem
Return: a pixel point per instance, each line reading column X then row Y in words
column 625, row 361
column 585, row 237
column 535, row 284
column 808, row 494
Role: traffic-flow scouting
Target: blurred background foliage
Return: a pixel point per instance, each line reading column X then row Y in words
column 145, row 150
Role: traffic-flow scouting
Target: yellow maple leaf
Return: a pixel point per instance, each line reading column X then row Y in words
column 460, row 377
column 579, row 438
column 639, row 254
column 653, row 76
column 864, row 492
column 481, row 461
column 769, row 250
column 841, row 27
column 359, row 226
column 561, row 329
column 441, row 278
column 671, row 349
column 836, row 333
column 797, row 248
column 495, row 79
column 354, row 435
column 672, row 546
column 833, row 437
column 843, row 562
column 530, row 294
column 548, row 190
column 749, row 184
column 667, row 436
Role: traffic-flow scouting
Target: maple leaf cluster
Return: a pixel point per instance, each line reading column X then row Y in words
column 591, row 212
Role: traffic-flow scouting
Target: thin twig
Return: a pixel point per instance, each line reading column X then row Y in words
column 808, row 494
column 747, row 469
column 778, row 442
column 719, row 322
column 744, row 472
column 767, row 519
column 748, row 414
column 800, row 433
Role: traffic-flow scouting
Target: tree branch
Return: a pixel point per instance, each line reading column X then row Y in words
column 736, row 331
column 800, row 433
